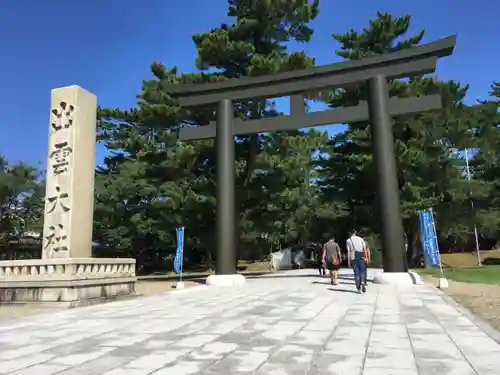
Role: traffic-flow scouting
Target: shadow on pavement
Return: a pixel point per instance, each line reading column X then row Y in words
column 343, row 290
column 198, row 278
column 280, row 275
column 351, row 278
column 328, row 282
column 266, row 275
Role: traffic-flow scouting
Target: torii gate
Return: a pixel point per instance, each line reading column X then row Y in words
column 374, row 71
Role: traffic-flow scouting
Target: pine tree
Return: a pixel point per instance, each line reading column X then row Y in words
column 495, row 89
column 485, row 164
column 21, row 206
column 427, row 170
column 254, row 44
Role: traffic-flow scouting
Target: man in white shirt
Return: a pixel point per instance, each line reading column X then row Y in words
column 356, row 256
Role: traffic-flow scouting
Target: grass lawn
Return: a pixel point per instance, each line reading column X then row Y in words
column 483, row 275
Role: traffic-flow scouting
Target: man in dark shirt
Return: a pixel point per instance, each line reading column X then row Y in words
column 318, row 249
column 332, row 257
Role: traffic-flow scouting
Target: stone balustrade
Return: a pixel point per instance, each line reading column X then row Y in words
column 64, row 268
column 73, row 281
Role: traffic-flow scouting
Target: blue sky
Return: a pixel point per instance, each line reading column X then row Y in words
column 107, row 47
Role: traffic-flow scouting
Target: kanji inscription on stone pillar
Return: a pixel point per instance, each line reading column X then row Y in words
column 69, row 194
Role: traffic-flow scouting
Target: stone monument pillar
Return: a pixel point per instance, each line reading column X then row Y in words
column 67, row 274
column 69, row 203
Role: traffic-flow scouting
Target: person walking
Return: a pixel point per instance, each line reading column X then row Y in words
column 368, row 260
column 356, row 256
column 332, row 257
column 319, row 259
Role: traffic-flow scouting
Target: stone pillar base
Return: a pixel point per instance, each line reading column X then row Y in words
column 443, row 283
column 66, row 281
column 226, row 280
column 397, row 278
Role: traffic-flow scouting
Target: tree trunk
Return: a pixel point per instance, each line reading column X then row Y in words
column 413, row 253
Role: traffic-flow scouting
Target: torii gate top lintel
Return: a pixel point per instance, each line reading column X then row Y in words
column 412, row 61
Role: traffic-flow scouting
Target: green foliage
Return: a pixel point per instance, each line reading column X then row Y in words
column 292, row 187
column 152, row 184
column 495, row 90
column 485, row 165
column 430, row 168
column 21, row 205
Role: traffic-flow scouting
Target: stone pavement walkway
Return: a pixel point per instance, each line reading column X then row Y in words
column 293, row 324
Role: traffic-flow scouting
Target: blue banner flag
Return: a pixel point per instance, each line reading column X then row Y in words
column 428, row 238
column 178, row 260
